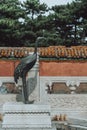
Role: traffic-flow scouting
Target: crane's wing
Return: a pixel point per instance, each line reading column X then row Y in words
column 25, row 64
column 18, row 71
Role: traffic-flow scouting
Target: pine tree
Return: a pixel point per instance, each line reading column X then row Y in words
column 10, row 25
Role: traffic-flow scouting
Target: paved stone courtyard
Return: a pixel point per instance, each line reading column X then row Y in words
column 6, row 98
column 70, row 104
column 68, row 100
column 59, row 102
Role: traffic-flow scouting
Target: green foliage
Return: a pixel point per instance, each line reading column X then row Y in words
column 33, row 8
column 22, row 23
column 10, row 27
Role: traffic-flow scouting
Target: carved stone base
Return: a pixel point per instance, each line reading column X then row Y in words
column 26, row 116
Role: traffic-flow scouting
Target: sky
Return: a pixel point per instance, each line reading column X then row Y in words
column 54, row 2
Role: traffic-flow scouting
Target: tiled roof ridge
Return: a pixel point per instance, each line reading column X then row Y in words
column 51, row 51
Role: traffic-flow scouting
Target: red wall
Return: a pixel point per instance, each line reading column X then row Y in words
column 7, row 67
column 48, row 68
column 63, row 68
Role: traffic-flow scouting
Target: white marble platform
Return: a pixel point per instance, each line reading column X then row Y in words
column 26, row 116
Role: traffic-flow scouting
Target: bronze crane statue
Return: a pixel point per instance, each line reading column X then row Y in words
column 22, row 69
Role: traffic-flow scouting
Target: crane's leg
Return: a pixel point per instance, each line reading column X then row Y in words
column 24, row 91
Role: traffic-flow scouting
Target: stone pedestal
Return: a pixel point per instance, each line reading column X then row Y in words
column 26, row 117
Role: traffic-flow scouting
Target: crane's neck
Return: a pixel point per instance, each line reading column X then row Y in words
column 36, row 43
column 35, row 50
